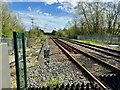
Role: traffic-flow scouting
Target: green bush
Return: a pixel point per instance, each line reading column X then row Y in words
column 35, row 53
column 53, row 82
column 91, row 42
column 29, row 52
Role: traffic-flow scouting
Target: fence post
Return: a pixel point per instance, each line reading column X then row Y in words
column 4, row 67
column 24, row 58
column 17, row 36
column 16, row 60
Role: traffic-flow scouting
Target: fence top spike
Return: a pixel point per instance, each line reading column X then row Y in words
column 73, row 85
column 57, row 86
column 66, row 88
column 87, row 84
column 72, row 88
column 82, row 84
column 48, row 88
column 62, row 86
column 43, row 88
column 78, row 85
column 68, row 85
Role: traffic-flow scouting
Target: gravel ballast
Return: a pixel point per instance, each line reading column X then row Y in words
column 62, row 72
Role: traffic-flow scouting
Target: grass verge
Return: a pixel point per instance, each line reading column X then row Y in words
column 92, row 42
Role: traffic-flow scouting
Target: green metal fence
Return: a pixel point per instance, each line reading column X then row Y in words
column 20, row 59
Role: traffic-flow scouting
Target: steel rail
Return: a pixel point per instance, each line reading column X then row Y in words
column 91, row 77
column 101, row 49
column 106, row 64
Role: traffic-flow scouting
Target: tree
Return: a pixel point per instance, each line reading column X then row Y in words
column 34, row 35
column 53, row 32
column 10, row 22
column 93, row 17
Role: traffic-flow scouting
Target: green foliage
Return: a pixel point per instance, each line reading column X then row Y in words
column 13, row 82
column 92, row 42
column 28, row 53
column 71, row 32
column 34, row 32
column 28, row 72
column 53, row 32
column 91, row 19
column 53, row 82
column 35, row 37
column 19, row 28
column 9, row 22
column 32, row 63
column 35, row 54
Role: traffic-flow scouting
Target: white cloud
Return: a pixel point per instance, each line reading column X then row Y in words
column 29, row 8
column 56, row 1
column 20, row 13
column 3, row 0
column 49, row 1
column 44, row 20
column 67, row 5
column 46, row 14
column 38, row 12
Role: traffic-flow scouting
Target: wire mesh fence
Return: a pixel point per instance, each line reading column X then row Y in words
column 83, row 86
column 103, row 38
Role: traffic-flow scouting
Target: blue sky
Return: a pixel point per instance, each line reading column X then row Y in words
column 46, row 16
column 52, row 9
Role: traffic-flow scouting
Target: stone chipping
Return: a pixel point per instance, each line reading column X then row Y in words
column 63, row 72
column 59, row 68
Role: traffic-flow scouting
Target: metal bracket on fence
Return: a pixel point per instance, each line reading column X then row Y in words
column 19, row 68
column 46, row 49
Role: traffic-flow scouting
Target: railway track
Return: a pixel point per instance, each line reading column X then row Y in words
column 71, row 51
column 104, row 50
column 110, row 59
column 88, row 67
column 101, row 60
column 59, row 68
column 87, row 73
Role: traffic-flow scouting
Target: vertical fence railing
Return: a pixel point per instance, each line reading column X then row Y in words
column 17, row 36
column 24, row 58
column 16, row 59
column 103, row 38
